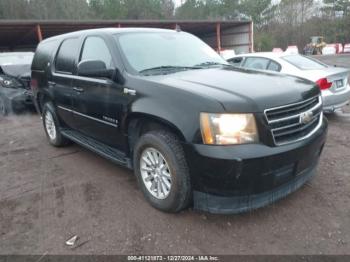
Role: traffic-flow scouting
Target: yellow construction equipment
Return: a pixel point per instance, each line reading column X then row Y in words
column 315, row 46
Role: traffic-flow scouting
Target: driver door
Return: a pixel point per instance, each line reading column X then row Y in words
column 98, row 101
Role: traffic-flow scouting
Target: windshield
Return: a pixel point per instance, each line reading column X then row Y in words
column 170, row 50
column 16, row 59
column 303, row 62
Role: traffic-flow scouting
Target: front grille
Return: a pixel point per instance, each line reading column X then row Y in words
column 295, row 122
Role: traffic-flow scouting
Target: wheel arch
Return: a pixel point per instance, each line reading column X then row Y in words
column 41, row 98
column 136, row 124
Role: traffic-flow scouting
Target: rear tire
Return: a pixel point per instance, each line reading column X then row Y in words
column 52, row 127
column 3, row 107
column 162, row 172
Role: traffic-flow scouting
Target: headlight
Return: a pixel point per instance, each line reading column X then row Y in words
column 6, row 81
column 228, row 129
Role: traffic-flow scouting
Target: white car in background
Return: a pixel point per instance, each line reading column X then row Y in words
column 334, row 82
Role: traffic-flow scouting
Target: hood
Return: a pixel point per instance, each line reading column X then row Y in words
column 241, row 90
column 16, row 70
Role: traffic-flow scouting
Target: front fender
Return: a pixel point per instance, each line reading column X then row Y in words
column 174, row 116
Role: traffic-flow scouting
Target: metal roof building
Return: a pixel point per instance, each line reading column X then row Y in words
column 221, row 35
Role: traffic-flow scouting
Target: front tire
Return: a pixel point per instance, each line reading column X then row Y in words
column 52, row 127
column 162, row 171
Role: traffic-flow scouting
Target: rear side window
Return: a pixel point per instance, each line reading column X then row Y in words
column 273, row 66
column 95, row 48
column 66, row 55
column 256, row 63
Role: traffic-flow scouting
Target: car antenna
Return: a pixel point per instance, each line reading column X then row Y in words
column 178, row 28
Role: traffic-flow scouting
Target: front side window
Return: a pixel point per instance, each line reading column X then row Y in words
column 144, row 51
column 95, row 48
column 303, row 62
column 66, row 55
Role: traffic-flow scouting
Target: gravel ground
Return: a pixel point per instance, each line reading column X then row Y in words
column 49, row 194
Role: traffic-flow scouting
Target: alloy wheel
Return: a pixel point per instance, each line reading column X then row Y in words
column 155, row 172
column 50, row 125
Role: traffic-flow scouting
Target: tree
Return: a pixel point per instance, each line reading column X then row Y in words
column 336, row 8
column 191, row 9
column 14, row 9
column 58, row 9
column 167, row 9
column 257, row 10
column 132, row 9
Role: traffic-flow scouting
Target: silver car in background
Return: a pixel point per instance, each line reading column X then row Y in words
column 334, row 82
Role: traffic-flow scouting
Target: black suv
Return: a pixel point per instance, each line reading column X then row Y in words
column 193, row 128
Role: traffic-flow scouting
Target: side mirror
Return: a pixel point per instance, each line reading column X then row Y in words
column 94, row 68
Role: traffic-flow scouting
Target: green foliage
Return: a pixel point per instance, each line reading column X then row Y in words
column 258, row 11
column 264, row 42
column 83, row 9
column 198, row 9
column 132, row 9
column 208, row 9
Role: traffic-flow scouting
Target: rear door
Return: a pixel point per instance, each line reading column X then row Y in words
column 98, row 101
column 62, row 77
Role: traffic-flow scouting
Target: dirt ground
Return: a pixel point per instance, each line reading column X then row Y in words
column 48, row 195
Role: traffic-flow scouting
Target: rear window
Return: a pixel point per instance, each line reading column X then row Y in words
column 66, row 56
column 303, row 62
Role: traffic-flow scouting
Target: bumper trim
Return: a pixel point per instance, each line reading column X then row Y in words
column 332, row 108
column 239, row 204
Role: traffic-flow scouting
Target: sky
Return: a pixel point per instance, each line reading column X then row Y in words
column 177, row 3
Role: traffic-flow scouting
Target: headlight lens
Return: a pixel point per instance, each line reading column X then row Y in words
column 228, row 129
column 6, row 81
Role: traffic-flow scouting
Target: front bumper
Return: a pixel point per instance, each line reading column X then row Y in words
column 21, row 99
column 334, row 100
column 234, row 179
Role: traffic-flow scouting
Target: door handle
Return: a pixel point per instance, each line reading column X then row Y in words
column 51, row 84
column 130, row 91
column 78, row 89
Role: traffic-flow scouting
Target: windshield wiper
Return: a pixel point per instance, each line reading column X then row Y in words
column 210, row 63
column 170, row 68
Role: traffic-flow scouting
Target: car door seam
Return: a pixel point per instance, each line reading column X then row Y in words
column 86, row 116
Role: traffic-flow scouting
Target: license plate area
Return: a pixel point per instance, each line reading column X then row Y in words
column 339, row 84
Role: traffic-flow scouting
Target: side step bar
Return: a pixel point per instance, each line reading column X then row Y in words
column 103, row 150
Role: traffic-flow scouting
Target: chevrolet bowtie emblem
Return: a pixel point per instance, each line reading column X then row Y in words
column 306, row 117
